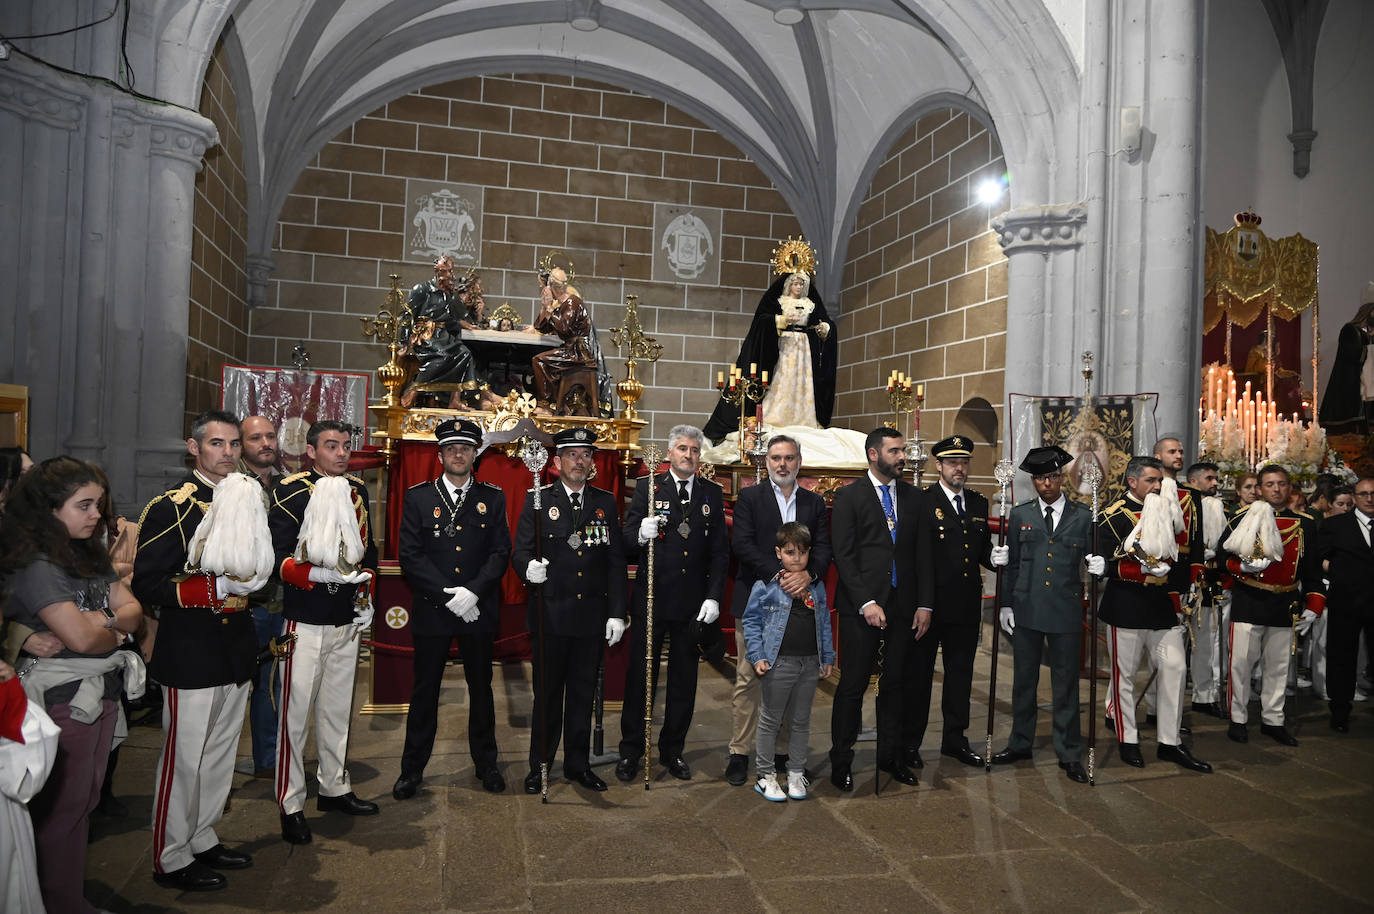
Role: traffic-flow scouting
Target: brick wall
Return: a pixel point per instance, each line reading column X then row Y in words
column 925, row 287
column 566, row 163
column 218, row 310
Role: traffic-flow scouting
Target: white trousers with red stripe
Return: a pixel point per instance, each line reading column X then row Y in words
column 319, row 672
column 1164, row 648
column 200, row 730
column 1270, row 645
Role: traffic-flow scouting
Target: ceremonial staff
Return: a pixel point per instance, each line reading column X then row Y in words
column 535, row 456
column 1004, row 473
column 651, row 461
column 1092, row 475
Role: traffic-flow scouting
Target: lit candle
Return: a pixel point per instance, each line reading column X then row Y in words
column 720, row 378
column 753, row 369
column 765, row 379
column 908, row 385
column 920, row 390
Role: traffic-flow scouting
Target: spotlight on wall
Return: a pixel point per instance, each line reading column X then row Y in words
column 788, row 12
column 584, row 15
column 990, row 191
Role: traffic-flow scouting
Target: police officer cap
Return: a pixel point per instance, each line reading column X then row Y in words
column 1042, row 460
column 574, row 437
column 953, row 446
column 459, row 431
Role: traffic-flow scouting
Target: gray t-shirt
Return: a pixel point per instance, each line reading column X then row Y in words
column 39, row 585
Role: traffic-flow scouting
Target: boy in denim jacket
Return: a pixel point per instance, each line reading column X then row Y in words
column 789, row 643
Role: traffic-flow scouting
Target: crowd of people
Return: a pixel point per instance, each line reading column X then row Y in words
column 248, row 591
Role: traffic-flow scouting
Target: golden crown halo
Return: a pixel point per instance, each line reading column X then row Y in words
column 794, row 256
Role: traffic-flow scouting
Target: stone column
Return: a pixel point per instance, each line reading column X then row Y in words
column 98, row 188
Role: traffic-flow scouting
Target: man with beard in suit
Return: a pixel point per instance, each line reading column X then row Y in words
column 455, row 522
column 883, row 601
column 759, row 511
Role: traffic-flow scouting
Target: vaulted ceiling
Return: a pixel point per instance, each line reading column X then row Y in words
column 813, row 91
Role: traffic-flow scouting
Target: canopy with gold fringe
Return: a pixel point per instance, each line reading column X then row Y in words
column 1247, row 271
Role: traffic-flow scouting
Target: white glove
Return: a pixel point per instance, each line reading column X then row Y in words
column 1001, row 556
column 649, row 527
column 1008, row 619
column 321, row 575
column 615, row 628
column 463, row 603
column 710, row 611
column 228, row 586
column 537, row 571
column 1159, row 571
column 1255, row 566
column 363, row 618
column 1097, row 565
column 1208, row 554
column 1305, row 622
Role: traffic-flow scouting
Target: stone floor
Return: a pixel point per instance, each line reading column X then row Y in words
column 1274, row 829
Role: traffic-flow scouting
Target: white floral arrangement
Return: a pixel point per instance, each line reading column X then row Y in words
column 1298, row 447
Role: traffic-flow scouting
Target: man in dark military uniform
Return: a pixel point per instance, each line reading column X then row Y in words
column 1048, row 540
column 578, row 559
column 692, row 555
column 961, row 545
column 205, row 657
column 326, row 607
column 1208, row 659
column 453, row 522
column 1273, row 593
column 1143, row 614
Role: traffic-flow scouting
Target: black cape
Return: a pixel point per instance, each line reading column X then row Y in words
column 1343, row 404
column 761, row 346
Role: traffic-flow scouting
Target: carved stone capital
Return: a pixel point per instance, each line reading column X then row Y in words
column 172, row 132
column 35, row 100
column 260, row 268
column 1040, row 228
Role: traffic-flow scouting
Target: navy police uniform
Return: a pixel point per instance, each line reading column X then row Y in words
column 961, row 545
column 449, row 541
column 585, row 587
column 206, row 655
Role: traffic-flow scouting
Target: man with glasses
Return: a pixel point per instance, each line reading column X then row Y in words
column 1346, row 544
column 1048, row 532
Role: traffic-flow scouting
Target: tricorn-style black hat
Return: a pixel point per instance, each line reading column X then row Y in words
column 1042, row 460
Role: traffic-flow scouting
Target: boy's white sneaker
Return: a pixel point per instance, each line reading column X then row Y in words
column 768, row 786
column 796, row 785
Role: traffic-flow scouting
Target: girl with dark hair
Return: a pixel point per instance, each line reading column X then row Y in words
column 14, row 461
column 58, row 579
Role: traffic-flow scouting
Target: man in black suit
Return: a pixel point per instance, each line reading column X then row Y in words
column 759, row 511
column 885, row 594
column 961, row 545
column 1345, row 543
column 580, row 563
column 692, row 556
column 453, row 521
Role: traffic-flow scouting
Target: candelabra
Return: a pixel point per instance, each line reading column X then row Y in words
column 739, row 391
column 391, row 320
column 905, row 399
column 633, row 345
